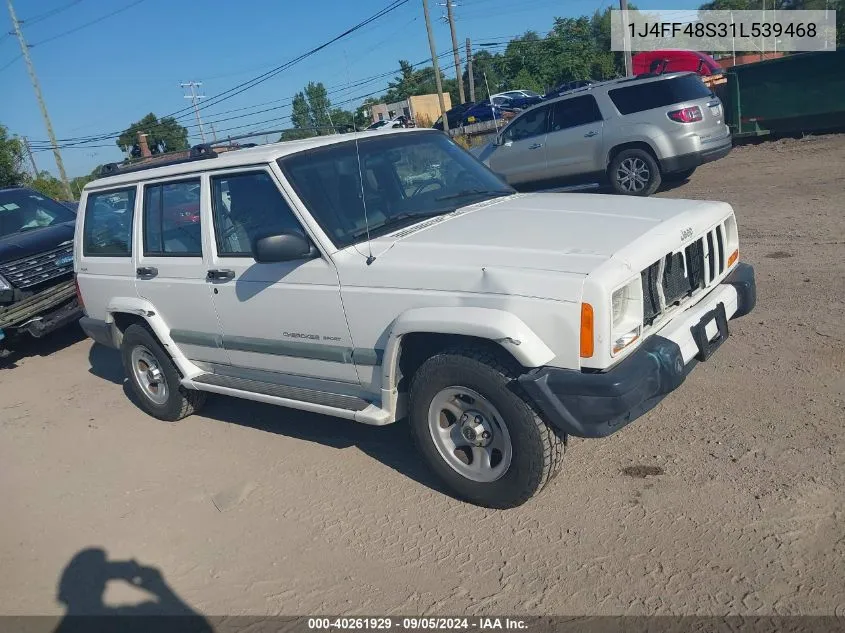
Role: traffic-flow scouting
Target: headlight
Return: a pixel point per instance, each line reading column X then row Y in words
column 626, row 305
column 4, row 285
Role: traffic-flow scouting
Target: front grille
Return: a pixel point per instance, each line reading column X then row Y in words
column 700, row 263
column 36, row 269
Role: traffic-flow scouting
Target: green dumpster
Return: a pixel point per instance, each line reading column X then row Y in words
column 799, row 93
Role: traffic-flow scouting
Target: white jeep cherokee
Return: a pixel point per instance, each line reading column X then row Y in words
column 387, row 275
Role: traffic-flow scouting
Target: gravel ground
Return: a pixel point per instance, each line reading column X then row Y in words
column 725, row 499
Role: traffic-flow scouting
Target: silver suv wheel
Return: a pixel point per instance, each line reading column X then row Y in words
column 469, row 434
column 633, row 174
column 149, row 375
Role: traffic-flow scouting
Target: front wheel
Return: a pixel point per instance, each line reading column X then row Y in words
column 477, row 432
column 634, row 172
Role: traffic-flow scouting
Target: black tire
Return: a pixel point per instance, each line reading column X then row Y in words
column 180, row 402
column 679, row 176
column 537, row 449
column 645, row 165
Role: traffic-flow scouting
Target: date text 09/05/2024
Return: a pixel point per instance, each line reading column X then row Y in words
column 412, row 624
column 723, row 29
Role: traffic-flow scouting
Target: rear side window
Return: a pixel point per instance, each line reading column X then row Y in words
column 172, row 219
column 108, row 223
column 658, row 94
column 574, row 112
column 532, row 123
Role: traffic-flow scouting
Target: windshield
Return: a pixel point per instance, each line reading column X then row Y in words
column 24, row 210
column 406, row 177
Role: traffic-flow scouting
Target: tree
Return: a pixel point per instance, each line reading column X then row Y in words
column 166, row 135
column 11, row 160
column 312, row 114
column 49, row 185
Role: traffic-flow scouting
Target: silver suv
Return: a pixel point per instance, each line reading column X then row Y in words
column 635, row 132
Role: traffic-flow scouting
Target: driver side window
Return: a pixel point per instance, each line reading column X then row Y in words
column 246, row 206
column 532, row 123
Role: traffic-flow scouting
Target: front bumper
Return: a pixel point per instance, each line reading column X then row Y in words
column 598, row 404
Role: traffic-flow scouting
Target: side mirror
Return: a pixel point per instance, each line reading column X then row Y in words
column 283, row 247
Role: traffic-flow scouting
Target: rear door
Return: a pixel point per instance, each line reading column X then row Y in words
column 521, row 157
column 105, row 269
column 574, row 141
column 170, row 266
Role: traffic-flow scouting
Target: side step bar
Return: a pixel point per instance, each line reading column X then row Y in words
column 300, row 394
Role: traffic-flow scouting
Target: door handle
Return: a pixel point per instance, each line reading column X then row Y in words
column 535, row 146
column 220, row 274
column 146, row 272
column 591, row 133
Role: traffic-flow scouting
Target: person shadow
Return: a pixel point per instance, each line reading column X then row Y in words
column 82, row 590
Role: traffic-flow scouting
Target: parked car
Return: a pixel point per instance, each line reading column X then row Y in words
column 455, row 116
column 569, row 86
column 516, row 99
column 485, row 111
column 343, row 275
column 633, row 132
column 37, row 292
column 398, row 122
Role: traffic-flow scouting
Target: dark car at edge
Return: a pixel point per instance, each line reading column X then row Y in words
column 37, row 289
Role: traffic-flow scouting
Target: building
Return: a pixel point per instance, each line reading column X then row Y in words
column 423, row 110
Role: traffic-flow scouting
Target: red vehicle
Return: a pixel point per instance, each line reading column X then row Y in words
column 674, row 60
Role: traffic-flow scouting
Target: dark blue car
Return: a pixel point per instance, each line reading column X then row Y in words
column 484, row 111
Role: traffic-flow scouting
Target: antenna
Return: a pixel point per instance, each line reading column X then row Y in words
column 492, row 107
column 370, row 257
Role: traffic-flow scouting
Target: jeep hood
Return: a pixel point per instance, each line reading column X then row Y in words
column 543, row 236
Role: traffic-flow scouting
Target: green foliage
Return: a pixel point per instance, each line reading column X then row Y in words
column 11, row 160
column 49, row 185
column 312, row 114
column 165, row 135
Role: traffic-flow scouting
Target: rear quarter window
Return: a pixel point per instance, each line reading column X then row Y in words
column 658, row 94
column 108, row 223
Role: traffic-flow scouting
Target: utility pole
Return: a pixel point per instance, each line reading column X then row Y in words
column 434, row 64
column 213, row 132
column 31, row 70
column 458, row 73
column 469, row 72
column 629, row 67
column 31, row 157
column 194, row 97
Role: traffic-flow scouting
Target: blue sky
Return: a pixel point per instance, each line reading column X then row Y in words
column 105, row 76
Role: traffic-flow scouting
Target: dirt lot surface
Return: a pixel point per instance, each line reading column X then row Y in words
column 727, row 498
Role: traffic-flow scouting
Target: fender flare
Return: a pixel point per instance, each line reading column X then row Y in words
column 146, row 310
column 502, row 327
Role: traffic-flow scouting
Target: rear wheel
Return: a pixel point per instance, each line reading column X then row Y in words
column 154, row 378
column 477, row 432
column 634, row 172
column 679, row 176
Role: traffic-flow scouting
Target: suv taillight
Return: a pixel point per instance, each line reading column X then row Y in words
column 686, row 115
column 78, row 293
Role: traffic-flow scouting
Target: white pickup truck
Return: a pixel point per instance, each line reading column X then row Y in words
column 327, row 275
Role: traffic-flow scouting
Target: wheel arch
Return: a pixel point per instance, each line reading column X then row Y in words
column 422, row 332
column 621, row 147
column 126, row 311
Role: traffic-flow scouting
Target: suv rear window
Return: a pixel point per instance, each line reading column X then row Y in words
column 108, row 223
column 657, row 94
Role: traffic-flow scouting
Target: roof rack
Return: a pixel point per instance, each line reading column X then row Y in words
column 202, row 151
column 197, row 152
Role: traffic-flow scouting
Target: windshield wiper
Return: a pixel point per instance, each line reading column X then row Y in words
column 475, row 192
column 398, row 219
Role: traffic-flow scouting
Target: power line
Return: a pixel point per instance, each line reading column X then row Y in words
column 255, row 81
column 87, row 24
column 47, row 14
